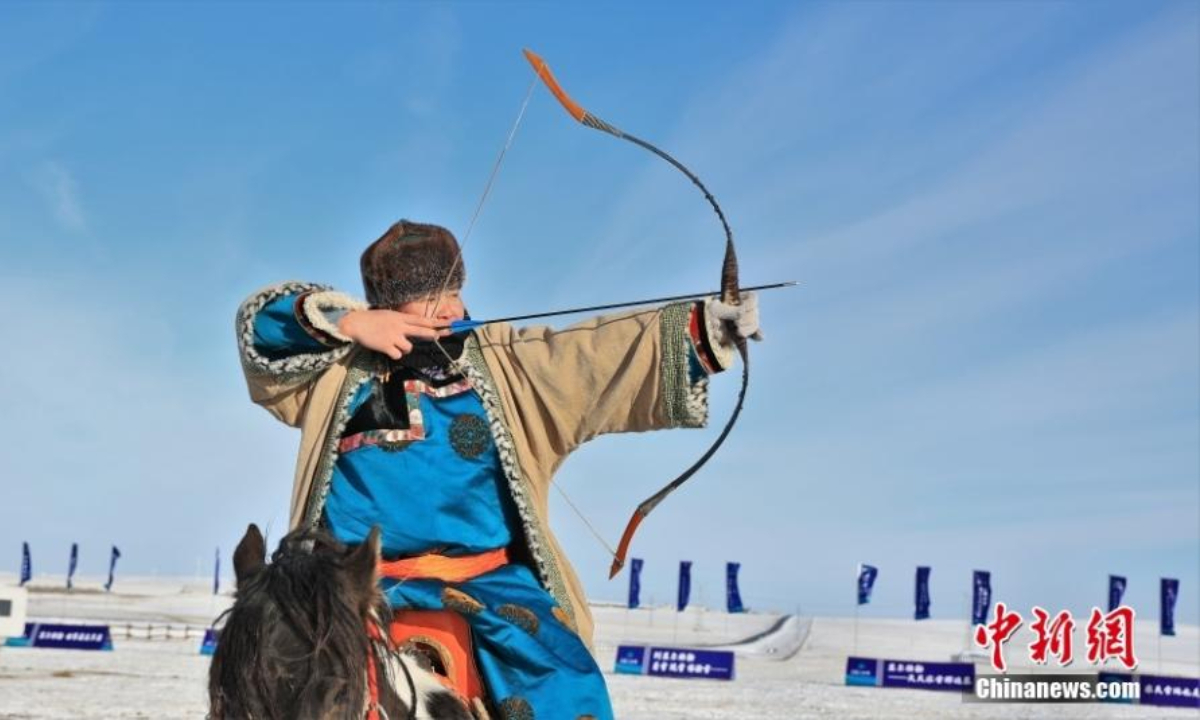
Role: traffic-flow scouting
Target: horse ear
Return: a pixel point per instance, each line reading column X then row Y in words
column 250, row 555
column 364, row 559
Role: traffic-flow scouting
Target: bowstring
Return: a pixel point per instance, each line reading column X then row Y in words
column 512, row 133
column 595, row 533
column 487, row 189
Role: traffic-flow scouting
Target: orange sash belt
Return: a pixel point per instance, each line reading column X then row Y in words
column 442, row 567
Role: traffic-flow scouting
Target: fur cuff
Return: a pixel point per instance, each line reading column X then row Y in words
column 293, row 366
column 324, row 308
column 697, row 404
column 718, row 338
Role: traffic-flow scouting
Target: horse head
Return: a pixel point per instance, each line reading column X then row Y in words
column 297, row 644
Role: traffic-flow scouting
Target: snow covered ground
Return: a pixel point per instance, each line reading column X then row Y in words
column 796, row 671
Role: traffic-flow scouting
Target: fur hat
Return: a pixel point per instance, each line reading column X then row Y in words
column 409, row 262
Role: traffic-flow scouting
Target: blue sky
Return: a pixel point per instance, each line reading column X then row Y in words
column 992, row 361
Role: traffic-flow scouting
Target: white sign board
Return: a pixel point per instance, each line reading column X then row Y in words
column 13, row 601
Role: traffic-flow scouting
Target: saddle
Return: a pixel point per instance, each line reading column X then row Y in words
column 441, row 639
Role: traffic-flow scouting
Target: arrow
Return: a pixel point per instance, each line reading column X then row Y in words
column 462, row 325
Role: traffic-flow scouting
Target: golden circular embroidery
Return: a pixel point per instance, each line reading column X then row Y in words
column 521, row 617
column 515, row 708
column 460, row 602
column 562, row 616
column 469, row 435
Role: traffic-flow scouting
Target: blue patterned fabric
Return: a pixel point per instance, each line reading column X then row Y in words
column 426, row 496
column 531, row 662
column 527, row 657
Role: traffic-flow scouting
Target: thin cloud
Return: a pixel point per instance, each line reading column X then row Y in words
column 910, row 250
column 1102, row 134
column 116, row 441
column 60, row 191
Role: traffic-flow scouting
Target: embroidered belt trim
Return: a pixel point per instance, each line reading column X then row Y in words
column 445, row 568
column 455, row 388
column 388, row 439
column 399, row 438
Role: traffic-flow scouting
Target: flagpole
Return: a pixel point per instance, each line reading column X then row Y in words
column 855, row 626
column 857, row 575
column 967, row 646
column 628, row 607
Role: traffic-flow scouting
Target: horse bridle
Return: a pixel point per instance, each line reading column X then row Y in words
column 375, row 709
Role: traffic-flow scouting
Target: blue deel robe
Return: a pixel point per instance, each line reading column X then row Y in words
column 438, row 487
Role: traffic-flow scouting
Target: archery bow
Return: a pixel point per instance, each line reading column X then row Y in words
column 729, row 295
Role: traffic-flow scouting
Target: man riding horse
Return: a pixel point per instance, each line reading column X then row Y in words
column 448, row 443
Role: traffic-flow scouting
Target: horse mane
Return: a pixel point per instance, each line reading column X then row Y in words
column 307, row 589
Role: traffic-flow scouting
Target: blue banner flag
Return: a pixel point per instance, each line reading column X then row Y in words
column 733, row 598
column 866, row 582
column 1116, row 591
column 112, row 566
column 872, row 672
column 26, row 564
column 74, row 563
column 631, row 659
column 1169, row 591
column 217, row 574
column 922, row 597
column 208, row 646
column 1161, row 690
column 690, row 663
column 675, row 662
column 635, row 583
column 1169, row 691
column 981, row 599
column 63, row 637
column 862, row 671
column 685, row 583
column 952, row 676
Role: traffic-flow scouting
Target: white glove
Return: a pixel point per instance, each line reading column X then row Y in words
column 743, row 317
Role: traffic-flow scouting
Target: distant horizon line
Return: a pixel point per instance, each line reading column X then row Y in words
column 45, row 586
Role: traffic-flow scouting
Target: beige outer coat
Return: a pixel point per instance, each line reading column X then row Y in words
column 546, row 392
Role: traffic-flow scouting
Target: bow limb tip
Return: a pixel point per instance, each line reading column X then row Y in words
column 623, row 547
column 543, row 71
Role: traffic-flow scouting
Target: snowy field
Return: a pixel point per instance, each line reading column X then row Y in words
column 794, row 672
